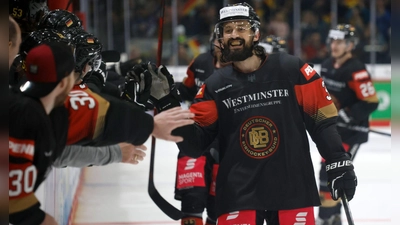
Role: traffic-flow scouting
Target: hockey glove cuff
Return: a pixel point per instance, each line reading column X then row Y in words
column 163, row 94
column 341, row 177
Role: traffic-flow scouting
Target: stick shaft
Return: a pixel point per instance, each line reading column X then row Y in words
column 347, row 210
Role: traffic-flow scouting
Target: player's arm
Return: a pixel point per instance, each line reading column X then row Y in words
column 319, row 112
column 82, row 156
column 320, row 116
column 199, row 136
column 188, row 87
column 126, row 122
column 105, row 120
column 362, row 85
column 196, row 137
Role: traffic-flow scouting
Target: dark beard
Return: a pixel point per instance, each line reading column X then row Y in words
column 236, row 55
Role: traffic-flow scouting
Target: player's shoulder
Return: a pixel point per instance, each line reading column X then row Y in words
column 203, row 57
column 355, row 64
column 203, row 60
column 26, row 111
column 327, row 62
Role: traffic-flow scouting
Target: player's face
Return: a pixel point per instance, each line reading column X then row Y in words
column 237, row 40
column 339, row 48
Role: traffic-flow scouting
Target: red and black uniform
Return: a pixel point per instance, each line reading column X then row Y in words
column 195, row 178
column 104, row 120
column 353, row 92
column 353, row 89
column 35, row 140
column 259, row 119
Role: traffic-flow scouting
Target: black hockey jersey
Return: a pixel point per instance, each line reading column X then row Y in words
column 260, row 119
column 352, row 88
column 198, row 71
column 33, row 145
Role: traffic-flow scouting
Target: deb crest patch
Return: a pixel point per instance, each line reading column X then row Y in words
column 259, row 137
column 307, row 71
column 200, row 93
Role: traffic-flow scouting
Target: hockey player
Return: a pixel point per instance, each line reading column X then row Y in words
column 354, row 96
column 260, row 109
column 33, row 137
column 198, row 194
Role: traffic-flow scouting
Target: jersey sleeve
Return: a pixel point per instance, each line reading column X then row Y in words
column 360, row 82
column 188, row 86
column 105, row 120
column 82, row 156
column 87, row 112
column 201, row 134
column 319, row 112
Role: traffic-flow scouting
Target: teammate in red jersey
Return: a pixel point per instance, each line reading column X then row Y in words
column 260, row 109
column 353, row 93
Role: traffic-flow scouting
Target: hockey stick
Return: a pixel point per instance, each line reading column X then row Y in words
column 346, row 207
column 165, row 206
column 362, row 129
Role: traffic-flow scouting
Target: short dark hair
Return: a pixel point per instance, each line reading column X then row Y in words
column 12, row 31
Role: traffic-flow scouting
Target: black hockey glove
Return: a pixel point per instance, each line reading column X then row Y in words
column 164, row 94
column 341, row 177
column 96, row 79
column 137, row 86
column 345, row 118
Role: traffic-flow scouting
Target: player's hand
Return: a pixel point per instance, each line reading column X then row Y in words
column 344, row 117
column 137, row 85
column 341, row 177
column 168, row 120
column 132, row 154
column 163, row 93
column 49, row 220
column 97, row 77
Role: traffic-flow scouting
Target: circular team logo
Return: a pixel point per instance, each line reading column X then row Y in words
column 259, row 137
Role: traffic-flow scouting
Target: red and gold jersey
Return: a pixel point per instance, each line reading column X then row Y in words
column 100, row 119
column 261, row 119
column 87, row 112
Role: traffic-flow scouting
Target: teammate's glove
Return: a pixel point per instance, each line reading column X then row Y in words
column 163, row 94
column 97, row 77
column 137, row 86
column 341, row 177
column 344, row 117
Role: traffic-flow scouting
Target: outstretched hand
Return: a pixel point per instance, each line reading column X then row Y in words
column 132, row 154
column 168, row 120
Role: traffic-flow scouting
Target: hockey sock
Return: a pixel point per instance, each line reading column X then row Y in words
column 192, row 221
column 328, row 212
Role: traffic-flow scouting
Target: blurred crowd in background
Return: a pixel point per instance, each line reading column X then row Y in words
column 195, row 19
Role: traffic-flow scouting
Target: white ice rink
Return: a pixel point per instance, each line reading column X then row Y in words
column 117, row 194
